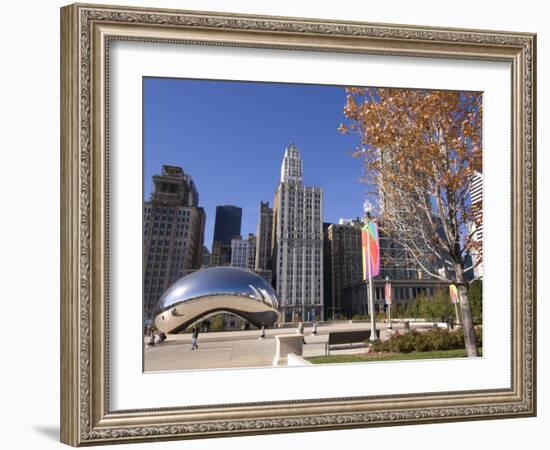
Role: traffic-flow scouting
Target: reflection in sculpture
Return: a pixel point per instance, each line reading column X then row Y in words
column 217, row 289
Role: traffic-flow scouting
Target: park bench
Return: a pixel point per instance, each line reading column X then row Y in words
column 346, row 337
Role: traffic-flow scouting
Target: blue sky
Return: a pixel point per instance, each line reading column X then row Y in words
column 230, row 136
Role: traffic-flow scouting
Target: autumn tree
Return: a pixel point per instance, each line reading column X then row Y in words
column 421, row 149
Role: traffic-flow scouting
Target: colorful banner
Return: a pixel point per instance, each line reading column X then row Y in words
column 454, row 294
column 371, row 249
column 387, row 293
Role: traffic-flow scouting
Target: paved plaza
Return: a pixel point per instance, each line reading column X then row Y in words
column 244, row 348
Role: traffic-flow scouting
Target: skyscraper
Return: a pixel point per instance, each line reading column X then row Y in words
column 298, row 242
column 346, row 269
column 476, row 228
column 206, row 258
column 327, row 273
column 173, row 234
column 243, row 252
column 221, row 254
column 228, row 223
column 252, row 243
column 264, row 237
column 226, row 227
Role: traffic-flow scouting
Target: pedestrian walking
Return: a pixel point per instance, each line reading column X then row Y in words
column 158, row 338
column 148, row 328
column 194, row 338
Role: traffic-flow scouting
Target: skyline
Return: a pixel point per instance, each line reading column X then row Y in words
column 247, row 118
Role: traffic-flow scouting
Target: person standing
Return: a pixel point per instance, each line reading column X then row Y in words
column 194, row 337
column 300, row 329
column 314, row 332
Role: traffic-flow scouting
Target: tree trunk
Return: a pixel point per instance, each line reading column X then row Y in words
column 466, row 311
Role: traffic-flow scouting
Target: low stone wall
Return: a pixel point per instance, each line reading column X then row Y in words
column 286, row 344
column 295, row 360
column 429, row 325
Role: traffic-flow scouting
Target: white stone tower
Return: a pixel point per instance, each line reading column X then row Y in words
column 298, row 242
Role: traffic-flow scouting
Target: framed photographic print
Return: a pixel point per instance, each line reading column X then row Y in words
column 276, row 224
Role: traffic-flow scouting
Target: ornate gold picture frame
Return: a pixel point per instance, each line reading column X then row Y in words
column 87, row 32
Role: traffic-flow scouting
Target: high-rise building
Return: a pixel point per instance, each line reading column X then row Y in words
column 476, row 227
column 327, row 273
column 221, row 254
column 239, row 252
column 173, row 234
column 396, row 261
column 243, row 252
column 226, row 227
column 264, row 238
column 252, row 243
column 206, row 259
column 346, row 269
column 228, row 223
column 298, row 242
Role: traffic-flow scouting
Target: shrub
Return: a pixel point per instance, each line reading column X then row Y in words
column 441, row 339
column 475, row 291
column 360, row 317
column 457, row 338
column 479, row 336
column 421, row 344
column 401, row 343
column 432, row 340
column 379, row 316
column 377, row 346
column 406, row 342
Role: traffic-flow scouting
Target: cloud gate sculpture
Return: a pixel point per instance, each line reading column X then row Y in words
column 217, row 289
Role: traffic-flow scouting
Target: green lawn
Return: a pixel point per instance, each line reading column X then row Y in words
column 336, row 359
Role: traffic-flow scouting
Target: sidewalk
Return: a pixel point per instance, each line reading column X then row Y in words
column 241, row 348
column 224, row 336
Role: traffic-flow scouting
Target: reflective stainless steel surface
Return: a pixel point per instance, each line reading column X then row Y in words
column 230, row 289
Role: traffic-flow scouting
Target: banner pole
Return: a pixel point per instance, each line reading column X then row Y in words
column 373, row 336
column 388, row 301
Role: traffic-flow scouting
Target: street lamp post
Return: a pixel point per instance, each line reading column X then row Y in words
column 388, row 302
column 373, row 335
column 456, row 314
